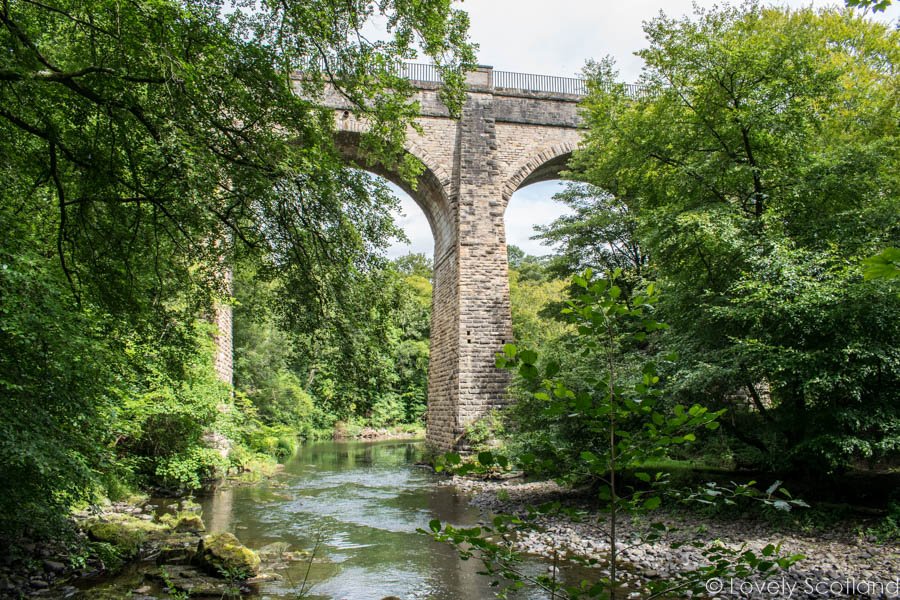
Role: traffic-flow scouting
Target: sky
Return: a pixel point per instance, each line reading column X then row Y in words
column 556, row 38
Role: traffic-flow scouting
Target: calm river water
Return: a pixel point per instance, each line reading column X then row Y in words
column 363, row 501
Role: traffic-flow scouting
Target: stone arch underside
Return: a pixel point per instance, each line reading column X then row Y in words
column 544, row 165
column 428, row 192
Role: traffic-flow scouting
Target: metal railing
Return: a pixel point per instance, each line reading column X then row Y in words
column 633, row 90
column 539, row 83
column 419, row 72
column 508, row 80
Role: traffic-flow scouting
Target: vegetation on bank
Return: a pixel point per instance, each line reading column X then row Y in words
column 742, row 212
column 750, row 183
column 363, row 363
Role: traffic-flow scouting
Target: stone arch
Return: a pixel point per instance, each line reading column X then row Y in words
column 543, row 166
column 429, row 191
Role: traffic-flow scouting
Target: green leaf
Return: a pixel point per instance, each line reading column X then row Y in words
column 528, row 356
column 528, row 371
column 885, row 265
column 652, row 502
column 435, row 525
column 604, row 493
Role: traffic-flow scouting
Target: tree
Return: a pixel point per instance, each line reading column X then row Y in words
column 762, row 159
column 414, row 263
column 875, row 5
column 367, row 361
column 146, row 144
column 153, row 129
column 601, row 233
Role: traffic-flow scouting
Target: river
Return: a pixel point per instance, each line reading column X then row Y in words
column 358, row 504
column 363, row 502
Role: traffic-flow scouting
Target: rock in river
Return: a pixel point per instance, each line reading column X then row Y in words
column 223, row 554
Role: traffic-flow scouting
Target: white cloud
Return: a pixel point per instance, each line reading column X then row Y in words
column 530, row 206
column 414, row 224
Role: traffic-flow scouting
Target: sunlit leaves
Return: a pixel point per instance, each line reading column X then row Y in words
column 884, row 265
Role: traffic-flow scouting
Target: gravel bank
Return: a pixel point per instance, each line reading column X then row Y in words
column 839, row 562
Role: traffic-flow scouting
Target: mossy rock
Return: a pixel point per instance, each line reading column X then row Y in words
column 190, row 522
column 183, row 522
column 222, row 554
column 178, row 548
column 127, row 534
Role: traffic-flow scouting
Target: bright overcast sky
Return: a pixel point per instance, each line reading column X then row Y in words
column 556, row 38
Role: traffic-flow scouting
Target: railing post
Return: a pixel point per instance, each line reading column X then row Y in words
column 482, row 76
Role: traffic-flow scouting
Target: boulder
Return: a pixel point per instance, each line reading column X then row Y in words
column 177, row 548
column 223, row 555
column 52, row 566
column 124, row 532
column 190, row 522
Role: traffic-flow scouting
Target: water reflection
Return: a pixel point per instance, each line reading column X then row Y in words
column 217, row 512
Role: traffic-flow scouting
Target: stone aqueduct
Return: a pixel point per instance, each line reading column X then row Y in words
column 514, row 130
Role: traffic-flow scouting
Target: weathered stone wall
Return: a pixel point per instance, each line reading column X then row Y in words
column 223, row 335
column 484, row 313
column 224, row 343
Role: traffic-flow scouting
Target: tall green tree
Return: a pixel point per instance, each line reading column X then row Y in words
column 366, row 360
column 145, row 144
column 762, row 156
column 156, row 128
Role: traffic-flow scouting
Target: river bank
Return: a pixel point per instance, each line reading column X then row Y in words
column 49, row 568
column 351, row 431
column 167, row 537
column 840, row 561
